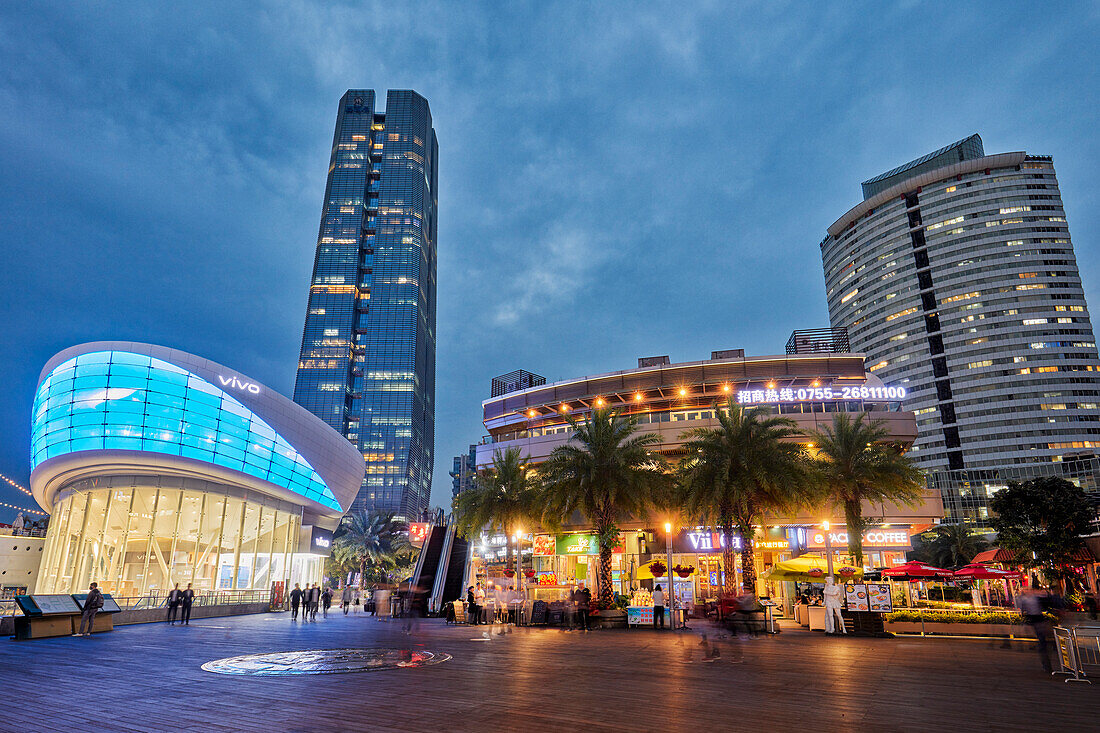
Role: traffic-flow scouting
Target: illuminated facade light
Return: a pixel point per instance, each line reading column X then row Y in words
column 637, row 396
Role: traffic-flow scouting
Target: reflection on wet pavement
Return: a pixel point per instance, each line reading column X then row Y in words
column 324, row 661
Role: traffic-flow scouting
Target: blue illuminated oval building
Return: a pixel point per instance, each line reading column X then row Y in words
column 161, row 467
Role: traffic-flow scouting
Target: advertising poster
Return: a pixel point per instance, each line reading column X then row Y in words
column 543, row 545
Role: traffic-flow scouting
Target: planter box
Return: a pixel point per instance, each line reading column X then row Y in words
column 956, row 629
column 611, row 619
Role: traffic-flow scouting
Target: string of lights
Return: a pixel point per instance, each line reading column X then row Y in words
column 22, row 488
column 27, row 511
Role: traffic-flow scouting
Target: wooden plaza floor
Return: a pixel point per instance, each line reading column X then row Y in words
column 148, row 678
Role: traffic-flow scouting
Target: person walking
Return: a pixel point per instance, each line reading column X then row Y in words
column 834, row 597
column 175, row 596
column 1031, row 608
column 582, row 597
column 186, row 599
column 345, row 599
column 658, row 607
column 314, row 601
column 326, row 601
column 295, row 601
column 92, row 603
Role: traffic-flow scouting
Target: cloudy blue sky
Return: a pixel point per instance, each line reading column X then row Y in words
column 614, row 182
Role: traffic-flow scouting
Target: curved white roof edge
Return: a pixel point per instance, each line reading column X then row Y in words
column 339, row 463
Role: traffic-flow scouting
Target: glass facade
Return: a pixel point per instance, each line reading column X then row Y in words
column 116, row 400
column 367, row 363
column 136, row 535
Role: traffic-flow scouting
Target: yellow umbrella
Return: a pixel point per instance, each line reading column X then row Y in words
column 811, row 569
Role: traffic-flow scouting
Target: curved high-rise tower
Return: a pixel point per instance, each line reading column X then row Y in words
column 956, row 277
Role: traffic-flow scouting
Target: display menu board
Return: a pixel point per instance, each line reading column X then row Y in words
column 878, row 596
column 856, row 595
column 51, row 604
column 639, row 615
column 874, row 597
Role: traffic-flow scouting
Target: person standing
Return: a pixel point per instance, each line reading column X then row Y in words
column 473, row 613
column 345, row 598
column 175, row 596
column 92, row 603
column 18, row 524
column 658, row 607
column 295, row 600
column 326, row 601
column 186, row 599
column 583, row 598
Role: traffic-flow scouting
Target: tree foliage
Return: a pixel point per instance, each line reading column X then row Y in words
column 605, row 471
column 950, row 545
column 1042, row 521
column 738, row 472
column 370, row 540
column 855, row 465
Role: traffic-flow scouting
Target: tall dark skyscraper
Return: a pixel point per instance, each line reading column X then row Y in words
column 367, row 365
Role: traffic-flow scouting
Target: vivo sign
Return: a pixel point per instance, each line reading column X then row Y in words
column 236, row 383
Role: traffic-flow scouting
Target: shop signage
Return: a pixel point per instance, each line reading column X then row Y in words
column 581, row 544
column 236, row 383
column 704, row 540
column 890, row 538
column 547, row 577
column 418, row 532
column 543, row 545
column 578, row 544
column 818, row 394
column 320, row 542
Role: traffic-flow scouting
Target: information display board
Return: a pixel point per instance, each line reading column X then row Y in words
column 109, row 604
column 50, row 605
column 874, row 597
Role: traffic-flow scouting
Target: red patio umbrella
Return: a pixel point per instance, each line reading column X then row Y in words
column 914, row 570
column 984, row 572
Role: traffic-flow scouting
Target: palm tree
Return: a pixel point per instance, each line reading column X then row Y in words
column 368, row 539
column 952, row 545
column 856, row 466
column 502, row 499
column 739, row 471
column 605, row 471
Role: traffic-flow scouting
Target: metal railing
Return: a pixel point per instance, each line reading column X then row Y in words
column 159, row 599
column 25, row 532
column 1078, row 648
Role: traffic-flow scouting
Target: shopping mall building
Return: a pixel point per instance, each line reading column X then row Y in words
column 816, row 378
column 160, row 467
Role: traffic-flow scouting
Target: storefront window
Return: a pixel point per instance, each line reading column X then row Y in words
column 136, row 539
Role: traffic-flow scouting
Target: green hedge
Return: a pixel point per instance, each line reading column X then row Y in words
column 956, row 617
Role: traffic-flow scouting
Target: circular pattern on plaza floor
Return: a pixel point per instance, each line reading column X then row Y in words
column 324, row 661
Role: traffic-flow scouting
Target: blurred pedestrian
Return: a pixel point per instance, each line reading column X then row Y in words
column 473, row 611
column 186, row 599
column 1030, row 603
column 314, row 601
column 582, row 598
column 326, row 601
column 345, row 598
column 175, row 596
column 295, row 601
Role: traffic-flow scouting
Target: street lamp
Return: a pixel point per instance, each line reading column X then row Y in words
column 671, row 590
column 828, row 547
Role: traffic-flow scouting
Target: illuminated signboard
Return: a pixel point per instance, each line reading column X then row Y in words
column 818, row 394
column 895, row 538
column 582, row 544
column 544, row 545
column 418, row 532
column 236, row 383
column 320, row 542
column 708, row 540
